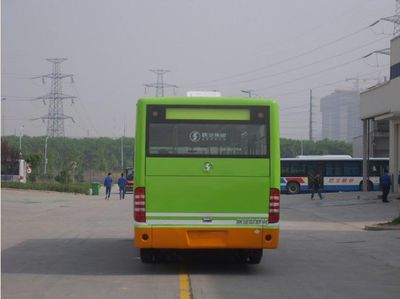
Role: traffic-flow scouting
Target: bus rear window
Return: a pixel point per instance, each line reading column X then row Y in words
column 208, row 139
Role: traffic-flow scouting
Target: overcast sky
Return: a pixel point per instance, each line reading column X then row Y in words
column 278, row 49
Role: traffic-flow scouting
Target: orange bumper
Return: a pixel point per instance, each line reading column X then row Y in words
column 206, row 238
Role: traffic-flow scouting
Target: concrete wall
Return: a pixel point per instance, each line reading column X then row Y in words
column 382, row 103
column 395, row 51
column 381, row 100
column 394, row 152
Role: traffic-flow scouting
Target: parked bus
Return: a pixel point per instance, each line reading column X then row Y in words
column 207, row 175
column 15, row 171
column 339, row 173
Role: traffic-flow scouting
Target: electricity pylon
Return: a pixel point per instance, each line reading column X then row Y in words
column 160, row 85
column 55, row 117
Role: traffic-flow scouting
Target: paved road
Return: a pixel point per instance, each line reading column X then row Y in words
column 58, row 245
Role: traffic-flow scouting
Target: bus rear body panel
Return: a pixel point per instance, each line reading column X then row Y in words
column 204, row 201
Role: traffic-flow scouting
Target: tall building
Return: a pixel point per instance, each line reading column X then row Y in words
column 341, row 115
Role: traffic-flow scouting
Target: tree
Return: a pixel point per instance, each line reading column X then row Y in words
column 291, row 148
column 35, row 162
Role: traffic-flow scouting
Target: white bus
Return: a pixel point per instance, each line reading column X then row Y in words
column 15, row 171
column 339, row 173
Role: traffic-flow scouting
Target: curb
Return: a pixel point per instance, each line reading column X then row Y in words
column 381, row 227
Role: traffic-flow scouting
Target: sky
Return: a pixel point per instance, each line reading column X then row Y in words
column 276, row 49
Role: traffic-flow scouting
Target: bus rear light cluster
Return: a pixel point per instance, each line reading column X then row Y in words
column 274, row 205
column 139, row 205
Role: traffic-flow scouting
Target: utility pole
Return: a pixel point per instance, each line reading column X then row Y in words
column 55, row 117
column 396, row 29
column 3, row 100
column 160, row 85
column 310, row 137
column 45, row 155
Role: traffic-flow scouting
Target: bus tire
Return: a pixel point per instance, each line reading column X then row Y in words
column 254, row 256
column 147, row 256
column 370, row 186
column 293, row 187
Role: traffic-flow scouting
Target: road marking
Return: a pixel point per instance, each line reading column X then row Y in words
column 185, row 289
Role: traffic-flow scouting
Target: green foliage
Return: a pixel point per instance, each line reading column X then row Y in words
column 395, row 221
column 35, row 161
column 69, row 158
column 9, row 158
column 82, row 188
column 291, row 148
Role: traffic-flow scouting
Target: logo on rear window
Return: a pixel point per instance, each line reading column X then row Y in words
column 207, row 167
column 195, row 136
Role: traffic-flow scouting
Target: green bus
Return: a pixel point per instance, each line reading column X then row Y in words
column 207, row 175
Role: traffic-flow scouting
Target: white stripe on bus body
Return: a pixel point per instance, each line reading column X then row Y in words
column 200, row 222
column 247, row 215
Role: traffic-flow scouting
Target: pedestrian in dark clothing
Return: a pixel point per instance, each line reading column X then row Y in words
column 316, row 185
column 398, row 182
column 385, row 183
column 108, row 184
column 122, row 181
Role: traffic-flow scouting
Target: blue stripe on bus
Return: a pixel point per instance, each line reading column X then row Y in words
column 341, row 188
column 332, row 188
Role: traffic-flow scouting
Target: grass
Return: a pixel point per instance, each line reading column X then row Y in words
column 82, row 188
column 395, row 221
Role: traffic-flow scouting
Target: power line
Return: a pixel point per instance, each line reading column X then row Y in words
column 305, row 65
column 310, row 75
column 84, row 108
column 18, row 76
column 318, row 86
column 286, row 59
column 293, row 107
column 18, row 98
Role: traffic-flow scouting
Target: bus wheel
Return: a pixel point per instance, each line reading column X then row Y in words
column 370, row 187
column 147, row 256
column 254, row 256
column 293, row 188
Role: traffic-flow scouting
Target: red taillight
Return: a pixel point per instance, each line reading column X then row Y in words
column 139, row 205
column 274, row 204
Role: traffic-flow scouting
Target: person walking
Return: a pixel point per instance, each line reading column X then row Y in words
column 385, row 183
column 122, row 181
column 398, row 182
column 108, row 184
column 316, row 186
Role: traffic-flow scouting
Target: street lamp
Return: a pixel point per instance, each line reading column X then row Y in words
column 249, row 92
column 20, row 140
column 122, row 150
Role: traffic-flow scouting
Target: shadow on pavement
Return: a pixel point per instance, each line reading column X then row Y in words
column 108, row 257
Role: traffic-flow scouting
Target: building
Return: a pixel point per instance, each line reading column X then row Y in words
column 341, row 115
column 380, row 106
column 378, row 140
